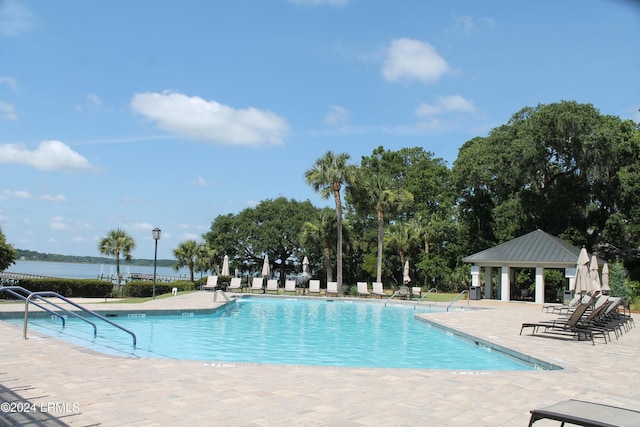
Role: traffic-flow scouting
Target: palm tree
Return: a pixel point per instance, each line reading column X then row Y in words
column 117, row 242
column 321, row 231
column 402, row 237
column 186, row 254
column 327, row 176
column 383, row 195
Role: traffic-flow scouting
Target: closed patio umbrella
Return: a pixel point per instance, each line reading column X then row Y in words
column 405, row 274
column 594, row 274
column 605, row 278
column 581, row 283
column 225, row 266
column 266, row 271
column 305, row 268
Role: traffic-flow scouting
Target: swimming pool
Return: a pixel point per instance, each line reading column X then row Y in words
column 290, row 331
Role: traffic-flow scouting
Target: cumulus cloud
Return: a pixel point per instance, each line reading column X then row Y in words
column 321, row 2
column 409, row 59
column 58, row 198
column 337, row 115
column 468, row 24
column 446, row 104
column 200, row 182
column 9, row 81
column 7, row 111
column 20, row 194
column 195, row 118
column 48, row 156
column 59, row 223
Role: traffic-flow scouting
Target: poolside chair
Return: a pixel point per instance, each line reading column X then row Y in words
column 553, row 307
column 362, row 289
column 272, row 286
column 256, row 284
column 290, row 286
column 378, row 289
column 571, row 325
column 212, row 283
column 416, row 291
column 332, row 288
column 314, row 287
column 236, row 283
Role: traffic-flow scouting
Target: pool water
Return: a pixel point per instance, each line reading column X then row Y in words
column 290, row 331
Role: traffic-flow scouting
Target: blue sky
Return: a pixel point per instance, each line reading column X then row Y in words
column 143, row 114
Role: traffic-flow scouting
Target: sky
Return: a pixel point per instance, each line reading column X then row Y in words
column 166, row 114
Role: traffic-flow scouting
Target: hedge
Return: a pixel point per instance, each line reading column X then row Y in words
column 144, row 289
column 88, row 288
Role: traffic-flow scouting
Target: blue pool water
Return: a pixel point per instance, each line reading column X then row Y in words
column 290, row 331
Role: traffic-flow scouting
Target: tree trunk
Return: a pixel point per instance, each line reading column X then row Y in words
column 336, row 195
column 327, row 263
column 380, row 241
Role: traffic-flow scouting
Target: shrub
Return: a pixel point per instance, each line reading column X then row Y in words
column 88, row 288
column 619, row 281
column 144, row 289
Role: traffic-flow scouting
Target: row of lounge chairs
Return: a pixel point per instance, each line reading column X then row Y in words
column 590, row 318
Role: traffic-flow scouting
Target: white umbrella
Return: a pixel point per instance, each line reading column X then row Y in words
column 265, row 266
column 405, row 274
column 305, row 268
column 594, row 273
column 605, row 278
column 237, row 273
column 225, row 266
column 581, row 282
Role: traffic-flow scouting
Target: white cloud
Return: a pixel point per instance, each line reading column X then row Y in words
column 468, row 24
column 200, row 182
column 183, row 226
column 199, row 119
column 191, row 236
column 15, row 19
column 337, row 115
column 20, row 194
column 321, row 2
column 57, row 223
column 409, row 59
column 9, row 81
column 58, row 198
column 49, row 156
column 142, row 226
column 446, row 104
column 7, row 111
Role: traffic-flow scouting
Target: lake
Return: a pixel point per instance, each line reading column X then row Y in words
column 90, row 271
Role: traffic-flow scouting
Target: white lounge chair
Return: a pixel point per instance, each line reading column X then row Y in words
column 256, row 284
column 290, row 286
column 332, row 288
column 314, row 287
column 378, row 289
column 272, row 286
column 362, row 289
column 235, row 284
column 416, row 291
column 212, row 283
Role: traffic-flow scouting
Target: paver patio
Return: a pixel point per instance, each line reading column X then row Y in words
column 73, row 386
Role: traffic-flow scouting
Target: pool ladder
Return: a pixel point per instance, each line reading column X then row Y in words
column 458, row 297
column 40, row 296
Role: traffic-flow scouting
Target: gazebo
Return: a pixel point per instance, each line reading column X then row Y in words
column 536, row 250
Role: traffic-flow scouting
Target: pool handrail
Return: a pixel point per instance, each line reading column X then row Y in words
column 402, row 290
column 220, row 292
column 41, row 294
column 11, row 290
column 425, row 295
column 458, row 297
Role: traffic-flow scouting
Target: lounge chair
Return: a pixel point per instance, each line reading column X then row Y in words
column 272, row 286
column 571, row 325
column 236, row 283
column 416, row 291
column 256, row 284
column 212, row 283
column 553, row 307
column 583, row 413
column 362, row 289
column 314, row 287
column 378, row 289
column 290, row 286
column 332, row 288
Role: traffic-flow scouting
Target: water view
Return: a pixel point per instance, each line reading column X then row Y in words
column 89, row 271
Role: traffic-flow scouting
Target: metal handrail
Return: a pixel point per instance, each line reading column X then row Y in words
column 457, row 298
column 68, row 301
column 403, row 290
column 10, row 291
column 424, row 296
column 220, row 292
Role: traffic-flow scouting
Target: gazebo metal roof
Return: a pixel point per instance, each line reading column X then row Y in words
column 532, row 249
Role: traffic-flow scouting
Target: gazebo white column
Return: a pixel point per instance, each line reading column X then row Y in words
column 505, row 284
column 540, row 285
column 488, row 282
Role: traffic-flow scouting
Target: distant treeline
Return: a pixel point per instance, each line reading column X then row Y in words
column 38, row 256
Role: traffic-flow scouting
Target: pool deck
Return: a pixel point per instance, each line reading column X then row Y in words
column 67, row 385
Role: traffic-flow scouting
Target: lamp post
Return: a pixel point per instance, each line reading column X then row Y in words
column 156, row 236
column 203, row 247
